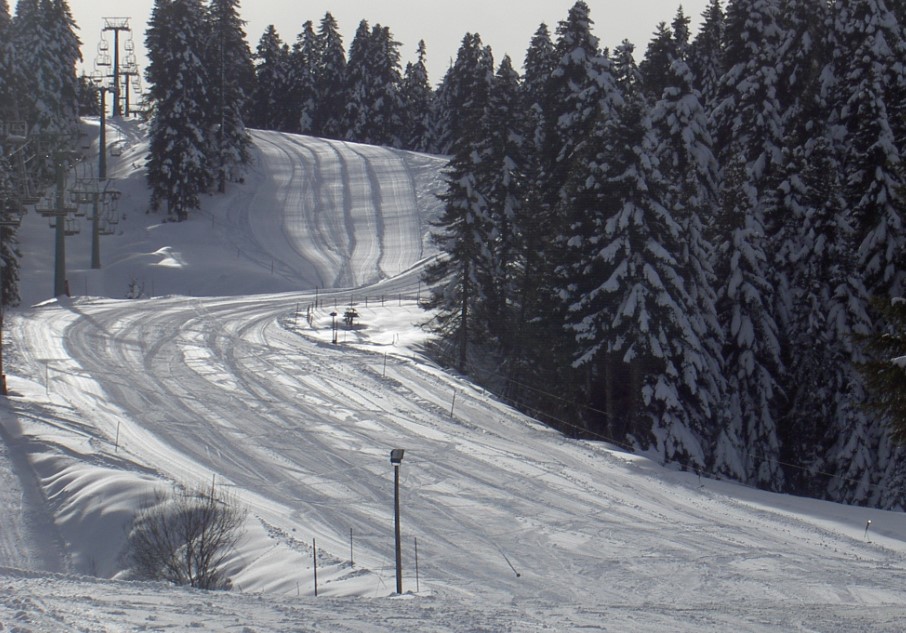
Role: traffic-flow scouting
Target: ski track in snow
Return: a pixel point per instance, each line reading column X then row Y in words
column 347, row 210
column 221, row 386
column 518, row 528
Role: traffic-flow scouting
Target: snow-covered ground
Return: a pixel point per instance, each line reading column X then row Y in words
column 225, row 371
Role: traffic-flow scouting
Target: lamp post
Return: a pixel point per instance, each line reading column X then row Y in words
column 396, row 458
column 333, row 315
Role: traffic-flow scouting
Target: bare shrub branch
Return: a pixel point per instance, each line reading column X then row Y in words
column 185, row 538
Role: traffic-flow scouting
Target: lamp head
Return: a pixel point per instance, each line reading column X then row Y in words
column 396, row 455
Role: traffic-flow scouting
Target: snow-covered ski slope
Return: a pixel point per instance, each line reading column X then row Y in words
column 311, row 213
column 228, row 373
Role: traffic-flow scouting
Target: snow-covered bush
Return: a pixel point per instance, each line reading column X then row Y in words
column 185, row 538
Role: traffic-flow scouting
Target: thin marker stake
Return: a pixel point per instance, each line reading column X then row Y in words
column 518, row 575
column 416, row 565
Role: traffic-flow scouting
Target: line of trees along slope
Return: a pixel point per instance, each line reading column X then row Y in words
column 680, row 255
column 39, row 51
column 201, row 77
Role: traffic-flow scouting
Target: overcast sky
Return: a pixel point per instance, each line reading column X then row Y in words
column 507, row 26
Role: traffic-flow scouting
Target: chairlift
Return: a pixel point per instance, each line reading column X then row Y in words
column 27, row 193
column 11, row 215
column 72, row 227
column 16, row 131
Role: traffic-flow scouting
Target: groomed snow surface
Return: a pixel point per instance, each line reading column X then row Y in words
column 225, row 371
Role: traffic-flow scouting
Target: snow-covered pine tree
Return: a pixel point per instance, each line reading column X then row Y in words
column 668, row 44
column 868, row 91
column 885, row 368
column 540, row 62
column 7, row 68
column 463, row 234
column 805, row 55
column 229, row 62
column 706, row 54
column 681, row 35
column 271, row 71
column 828, row 307
column 177, row 163
column 690, row 172
column 506, row 194
column 416, row 95
column 820, row 298
column 627, row 74
column 451, row 98
column 303, row 90
column 623, row 289
column 872, row 79
column 443, row 124
column 374, row 108
column 9, row 260
column 330, row 77
column 655, row 67
column 45, row 43
column 803, row 72
column 747, row 122
column 748, row 446
column 580, row 91
column 579, row 94
column 355, row 115
column 747, row 119
column 539, row 362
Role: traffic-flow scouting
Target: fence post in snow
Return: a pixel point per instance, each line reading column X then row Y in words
column 314, row 558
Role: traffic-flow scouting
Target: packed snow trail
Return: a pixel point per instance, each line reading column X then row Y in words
column 333, row 214
column 245, row 389
column 28, row 539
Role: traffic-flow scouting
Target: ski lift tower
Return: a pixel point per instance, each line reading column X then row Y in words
column 116, row 25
